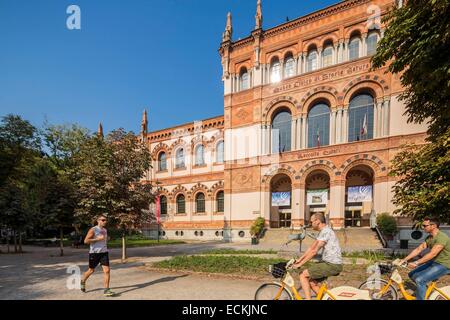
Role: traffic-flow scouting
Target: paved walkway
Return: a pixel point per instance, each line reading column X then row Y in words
column 41, row 274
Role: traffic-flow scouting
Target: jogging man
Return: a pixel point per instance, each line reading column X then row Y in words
column 98, row 253
column 331, row 263
column 435, row 263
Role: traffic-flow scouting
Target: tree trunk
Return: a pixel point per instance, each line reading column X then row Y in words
column 15, row 241
column 124, row 248
column 20, row 242
column 7, row 242
column 61, row 244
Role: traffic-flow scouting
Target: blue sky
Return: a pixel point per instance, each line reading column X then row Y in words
column 129, row 55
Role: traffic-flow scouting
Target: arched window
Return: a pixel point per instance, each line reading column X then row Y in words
column 219, row 152
column 162, row 162
column 199, row 155
column 360, row 118
column 244, row 79
column 372, row 40
column 327, row 56
column 353, row 48
column 289, row 66
column 311, row 61
column 220, row 201
column 200, row 202
column 319, row 126
column 275, row 71
column 181, row 204
column 163, row 205
column 179, row 161
column 281, row 132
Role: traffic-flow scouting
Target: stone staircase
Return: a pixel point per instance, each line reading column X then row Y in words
column 350, row 239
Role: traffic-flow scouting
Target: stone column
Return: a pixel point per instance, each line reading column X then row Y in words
column 299, row 133
column 305, row 55
column 346, row 52
column 335, row 53
column 364, row 45
column 333, row 127
column 375, row 120
column 294, row 134
column 345, row 124
column 305, row 132
column 319, row 63
column 380, row 118
column 386, row 107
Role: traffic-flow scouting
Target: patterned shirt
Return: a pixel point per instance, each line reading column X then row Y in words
column 331, row 250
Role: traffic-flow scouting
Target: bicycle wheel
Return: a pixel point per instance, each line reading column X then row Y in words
column 269, row 291
column 375, row 286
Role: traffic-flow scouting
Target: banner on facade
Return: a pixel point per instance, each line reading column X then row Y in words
column 359, row 194
column 281, row 199
column 314, row 197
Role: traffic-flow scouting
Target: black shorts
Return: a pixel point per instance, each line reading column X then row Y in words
column 96, row 258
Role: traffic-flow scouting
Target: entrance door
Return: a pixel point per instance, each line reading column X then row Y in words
column 285, row 219
column 352, row 218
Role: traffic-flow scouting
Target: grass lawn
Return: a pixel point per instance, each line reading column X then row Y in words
column 243, row 265
column 131, row 243
column 115, row 243
column 233, row 251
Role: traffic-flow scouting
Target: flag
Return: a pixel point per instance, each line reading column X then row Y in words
column 318, row 137
column 364, row 126
column 158, row 209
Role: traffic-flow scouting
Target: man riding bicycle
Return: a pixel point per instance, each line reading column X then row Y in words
column 331, row 263
column 435, row 263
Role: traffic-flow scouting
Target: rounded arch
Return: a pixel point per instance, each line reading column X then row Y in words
column 216, row 188
column 313, row 165
column 164, row 192
column 158, row 148
column 373, row 85
column 329, row 40
column 177, row 144
column 355, row 30
column 319, row 94
column 372, row 161
column 277, row 169
column 271, row 58
column 199, row 187
column 311, row 45
column 283, row 101
column 180, row 190
column 289, row 53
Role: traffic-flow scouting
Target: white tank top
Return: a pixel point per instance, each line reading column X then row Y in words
column 99, row 246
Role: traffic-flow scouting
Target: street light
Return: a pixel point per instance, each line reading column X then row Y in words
column 158, row 205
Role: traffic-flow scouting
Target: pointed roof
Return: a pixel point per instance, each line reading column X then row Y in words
column 228, row 29
column 100, row 130
column 258, row 16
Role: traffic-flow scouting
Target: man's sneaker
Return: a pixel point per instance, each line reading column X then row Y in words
column 83, row 286
column 108, row 293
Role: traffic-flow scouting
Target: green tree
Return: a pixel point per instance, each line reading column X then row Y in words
column 20, row 149
column 416, row 45
column 424, row 185
column 108, row 174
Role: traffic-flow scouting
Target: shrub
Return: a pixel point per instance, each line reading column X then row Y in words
column 257, row 227
column 387, row 224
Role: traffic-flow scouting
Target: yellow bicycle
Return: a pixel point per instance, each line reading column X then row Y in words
column 284, row 288
column 387, row 290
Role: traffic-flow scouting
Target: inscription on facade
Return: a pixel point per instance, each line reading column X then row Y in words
column 318, row 153
column 323, row 77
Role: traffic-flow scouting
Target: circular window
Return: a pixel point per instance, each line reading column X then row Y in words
column 416, row 235
column 176, row 233
column 201, row 233
column 241, row 234
column 196, row 233
column 221, row 233
column 217, row 233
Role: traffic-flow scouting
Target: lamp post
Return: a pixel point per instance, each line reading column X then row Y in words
column 158, row 205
